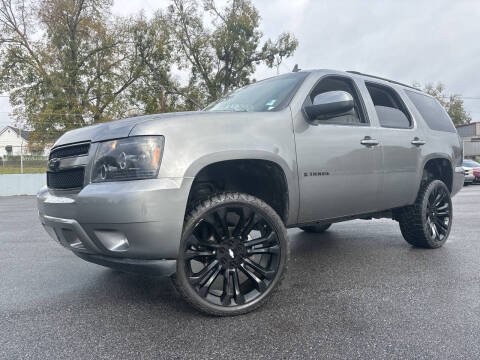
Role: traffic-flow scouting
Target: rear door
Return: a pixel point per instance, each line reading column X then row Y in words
column 339, row 160
column 401, row 140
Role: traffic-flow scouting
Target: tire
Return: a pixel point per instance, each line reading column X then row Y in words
column 233, row 254
column 318, row 229
column 427, row 223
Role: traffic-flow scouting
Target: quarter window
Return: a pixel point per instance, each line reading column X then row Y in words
column 391, row 110
column 432, row 112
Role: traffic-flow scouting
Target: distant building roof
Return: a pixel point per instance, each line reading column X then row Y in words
column 469, row 130
column 470, row 123
column 24, row 134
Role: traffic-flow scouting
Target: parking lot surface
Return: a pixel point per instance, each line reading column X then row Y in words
column 357, row 291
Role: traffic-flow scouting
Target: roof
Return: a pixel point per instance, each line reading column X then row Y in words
column 367, row 77
column 384, row 79
column 470, row 123
column 24, row 134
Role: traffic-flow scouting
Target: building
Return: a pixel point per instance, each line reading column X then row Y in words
column 470, row 134
column 14, row 141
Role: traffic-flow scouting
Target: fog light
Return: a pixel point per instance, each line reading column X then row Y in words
column 112, row 240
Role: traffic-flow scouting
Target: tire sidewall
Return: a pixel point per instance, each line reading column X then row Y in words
column 431, row 241
column 203, row 210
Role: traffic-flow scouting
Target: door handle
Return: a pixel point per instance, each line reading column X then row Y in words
column 368, row 141
column 417, row 142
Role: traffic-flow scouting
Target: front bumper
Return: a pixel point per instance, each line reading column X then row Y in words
column 146, row 267
column 119, row 224
column 458, row 180
column 469, row 178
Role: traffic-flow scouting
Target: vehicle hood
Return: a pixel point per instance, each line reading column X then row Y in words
column 115, row 129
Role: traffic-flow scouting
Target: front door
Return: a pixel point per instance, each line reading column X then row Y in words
column 339, row 160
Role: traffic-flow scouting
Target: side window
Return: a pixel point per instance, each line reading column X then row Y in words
column 391, row 111
column 432, row 112
column 338, row 83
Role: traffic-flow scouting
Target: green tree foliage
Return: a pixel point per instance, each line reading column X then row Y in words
column 222, row 56
column 156, row 91
column 71, row 63
column 452, row 103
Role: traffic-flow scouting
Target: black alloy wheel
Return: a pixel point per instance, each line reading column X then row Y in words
column 439, row 214
column 428, row 222
column 233, row 254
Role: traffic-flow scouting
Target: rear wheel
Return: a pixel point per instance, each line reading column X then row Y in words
column 427, row 223
column 233, row 254
column 315, row 228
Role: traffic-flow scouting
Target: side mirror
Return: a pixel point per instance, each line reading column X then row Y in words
column 329, row 104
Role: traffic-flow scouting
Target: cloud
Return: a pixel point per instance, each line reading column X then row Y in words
column 423, row 41
column 5, row 109
column 407, row 40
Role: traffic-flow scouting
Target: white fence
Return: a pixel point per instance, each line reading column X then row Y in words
column 21, row 184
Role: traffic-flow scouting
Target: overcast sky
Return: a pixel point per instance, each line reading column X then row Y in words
column 405, row 40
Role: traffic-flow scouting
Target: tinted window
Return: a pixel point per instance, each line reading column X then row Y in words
column 432, row 112
column 266, row 95
column 336, row 83
column 391, row 111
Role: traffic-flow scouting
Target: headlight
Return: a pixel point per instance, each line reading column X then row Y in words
column 131, row 158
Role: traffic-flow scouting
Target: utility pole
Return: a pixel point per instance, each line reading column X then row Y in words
column 163, row 99
column 21, row 152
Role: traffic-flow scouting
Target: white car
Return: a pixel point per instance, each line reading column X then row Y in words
column 468, row 166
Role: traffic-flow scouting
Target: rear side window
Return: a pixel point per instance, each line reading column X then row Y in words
column 391, row 111
column 432, row 112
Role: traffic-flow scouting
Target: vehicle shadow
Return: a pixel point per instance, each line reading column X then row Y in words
column 108, row 288
column 318, row 263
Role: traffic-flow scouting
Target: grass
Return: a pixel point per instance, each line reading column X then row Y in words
column 26, row 170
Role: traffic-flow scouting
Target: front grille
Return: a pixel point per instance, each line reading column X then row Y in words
column 67, row 151
column 66, row 179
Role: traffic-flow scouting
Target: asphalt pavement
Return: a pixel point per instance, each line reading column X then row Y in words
column 357, row 291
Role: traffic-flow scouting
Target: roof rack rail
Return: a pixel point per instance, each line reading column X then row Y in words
column 381, row 78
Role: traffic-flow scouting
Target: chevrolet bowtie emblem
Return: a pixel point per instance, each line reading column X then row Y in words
column 53, row 164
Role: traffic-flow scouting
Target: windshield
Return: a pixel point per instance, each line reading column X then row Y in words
column 470, row 163
column 266, row 95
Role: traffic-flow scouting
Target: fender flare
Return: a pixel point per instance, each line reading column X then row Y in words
column 289, row 172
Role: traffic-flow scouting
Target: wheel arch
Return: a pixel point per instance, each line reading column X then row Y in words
column 438, row 166
column 262, row 175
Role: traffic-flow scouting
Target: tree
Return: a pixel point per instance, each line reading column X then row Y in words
column 156, row 91
column 70, row 63
column 452, row 103
column 222, row 56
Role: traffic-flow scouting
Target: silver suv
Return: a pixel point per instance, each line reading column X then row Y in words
column 206, row 197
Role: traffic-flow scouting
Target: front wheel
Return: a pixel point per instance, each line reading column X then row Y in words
column 233, row 254
column 427, row 223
